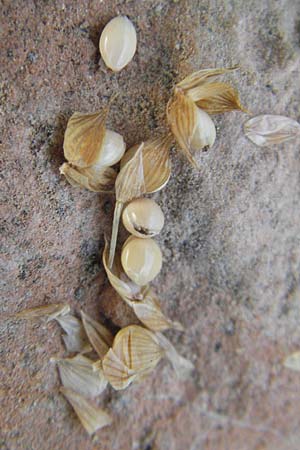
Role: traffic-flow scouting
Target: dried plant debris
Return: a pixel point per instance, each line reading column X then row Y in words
column 156, row 162
column 91, row 149
column 182, row 366
column 130, row 184
column 183, row 120
column 212, row 97
column 90, row 178
column 83, row 138
column 271, row 129
column 193, row 99
column 135, row 353
column 293, row 361
column 75, row 339
column 47, row 312
column 79, row 375
column 140, row 298
column 99, row 336
column 91, row 417
column 150, row 314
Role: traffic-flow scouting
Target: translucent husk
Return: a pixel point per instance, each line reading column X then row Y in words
column 182, row 118
column 196, row 78
column 79, row 375
column 182, row 366
column 156, row 162
column 83, row 138
column 129, row 185
column 49, row 312
column 91, row 417
column 212, row 97
column 293, row 361
column 99, row 336
column 216, row 98
column 150, row 314
column 271, row 129
column 90, row 178
column 75, row 338
column 141, row 299
column 134, row 354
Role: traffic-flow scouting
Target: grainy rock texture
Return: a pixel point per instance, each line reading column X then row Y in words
column 231, row 242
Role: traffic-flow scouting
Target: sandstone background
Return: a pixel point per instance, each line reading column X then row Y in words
column 231, row 242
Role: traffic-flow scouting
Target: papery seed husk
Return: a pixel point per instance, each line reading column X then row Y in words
column 156, row 162
column 141, row 299
column 119, row 281
column 293, row 361
column 99, row 336
column 94, row 180
column 130, row 184
column 116, row 372
column 201, row 76
column 49, row 312
column 137, row 348
column 150, row 314
column 130, row 181
column 75, row 338
column 216, row 98
column 91, row 417
column 78, row 374
column 83, row 138
column 182, row 366
column 182, row 118
column 269, row 129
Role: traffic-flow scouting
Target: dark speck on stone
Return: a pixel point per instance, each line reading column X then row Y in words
column 32, row 57
column 107, row 207
column 218, row 346
column 79, row 293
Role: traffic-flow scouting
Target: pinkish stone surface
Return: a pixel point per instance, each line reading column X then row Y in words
column 231, row 242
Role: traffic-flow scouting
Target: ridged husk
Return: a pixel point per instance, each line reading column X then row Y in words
column 91, row 417
column 212, row 97
column 79, row 375
column 115, row 371
column 134, row 354
column 271, row 129
column 156, row 162
column 200, row 76
column 141, row 299
column 129, row 184
column 94, row 180
column 48, row 312
column 75, row 338
column 130, row 181
column 182, row 118
column 216, row 98
column 83, row 138
column 99, row 336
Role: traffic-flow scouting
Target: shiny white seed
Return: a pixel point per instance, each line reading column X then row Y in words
column 143, row 218
column 205, row 131
column 118, row 43
column 141, row 260
column 113, row 149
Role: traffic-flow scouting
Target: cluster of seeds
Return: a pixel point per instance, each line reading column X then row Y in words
column 91, row 150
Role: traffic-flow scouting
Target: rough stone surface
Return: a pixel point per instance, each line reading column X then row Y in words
column 231, row 242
